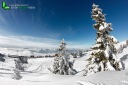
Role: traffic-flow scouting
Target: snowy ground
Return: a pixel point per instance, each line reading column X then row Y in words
column 37, row 73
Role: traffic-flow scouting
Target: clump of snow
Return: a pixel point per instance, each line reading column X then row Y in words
column 114, row 39
column 107, row 51
column 124, row 82
column 120, row 46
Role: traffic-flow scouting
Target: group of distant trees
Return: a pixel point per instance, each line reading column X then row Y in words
column 80, row 53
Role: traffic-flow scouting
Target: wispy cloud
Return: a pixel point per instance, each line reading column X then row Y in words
column 26, row 41
column 12, row 40
column 36, row 42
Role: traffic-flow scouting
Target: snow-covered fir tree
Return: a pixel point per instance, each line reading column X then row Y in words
column 103, row 55
column 62, row 64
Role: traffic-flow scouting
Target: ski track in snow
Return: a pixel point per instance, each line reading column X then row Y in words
column 84, row 83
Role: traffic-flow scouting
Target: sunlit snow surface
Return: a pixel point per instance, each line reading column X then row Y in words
column 37, row 73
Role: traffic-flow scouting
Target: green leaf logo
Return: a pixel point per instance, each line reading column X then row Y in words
column 4, row 6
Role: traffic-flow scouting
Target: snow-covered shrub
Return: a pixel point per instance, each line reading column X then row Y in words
column 80, row 53
column 23, row 59
column 74, row 55
column 16, row 74
column 103, row 55
column 17, row 69
column 62, row 64
column 18, row 64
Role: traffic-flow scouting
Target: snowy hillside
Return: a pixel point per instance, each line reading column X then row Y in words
column 30, row 51
column 37, row 73
column 26, row 51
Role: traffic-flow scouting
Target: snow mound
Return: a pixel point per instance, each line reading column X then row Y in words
column 124, row 82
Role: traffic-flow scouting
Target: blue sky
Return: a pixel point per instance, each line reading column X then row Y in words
column 53, row 20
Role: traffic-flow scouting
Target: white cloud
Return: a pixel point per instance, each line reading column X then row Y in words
column 9, row 40
column 25, row 41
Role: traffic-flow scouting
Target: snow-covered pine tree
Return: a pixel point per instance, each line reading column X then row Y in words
column 62, row 64
column 103, row 55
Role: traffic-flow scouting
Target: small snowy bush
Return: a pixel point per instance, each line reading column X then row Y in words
column 16, row 74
